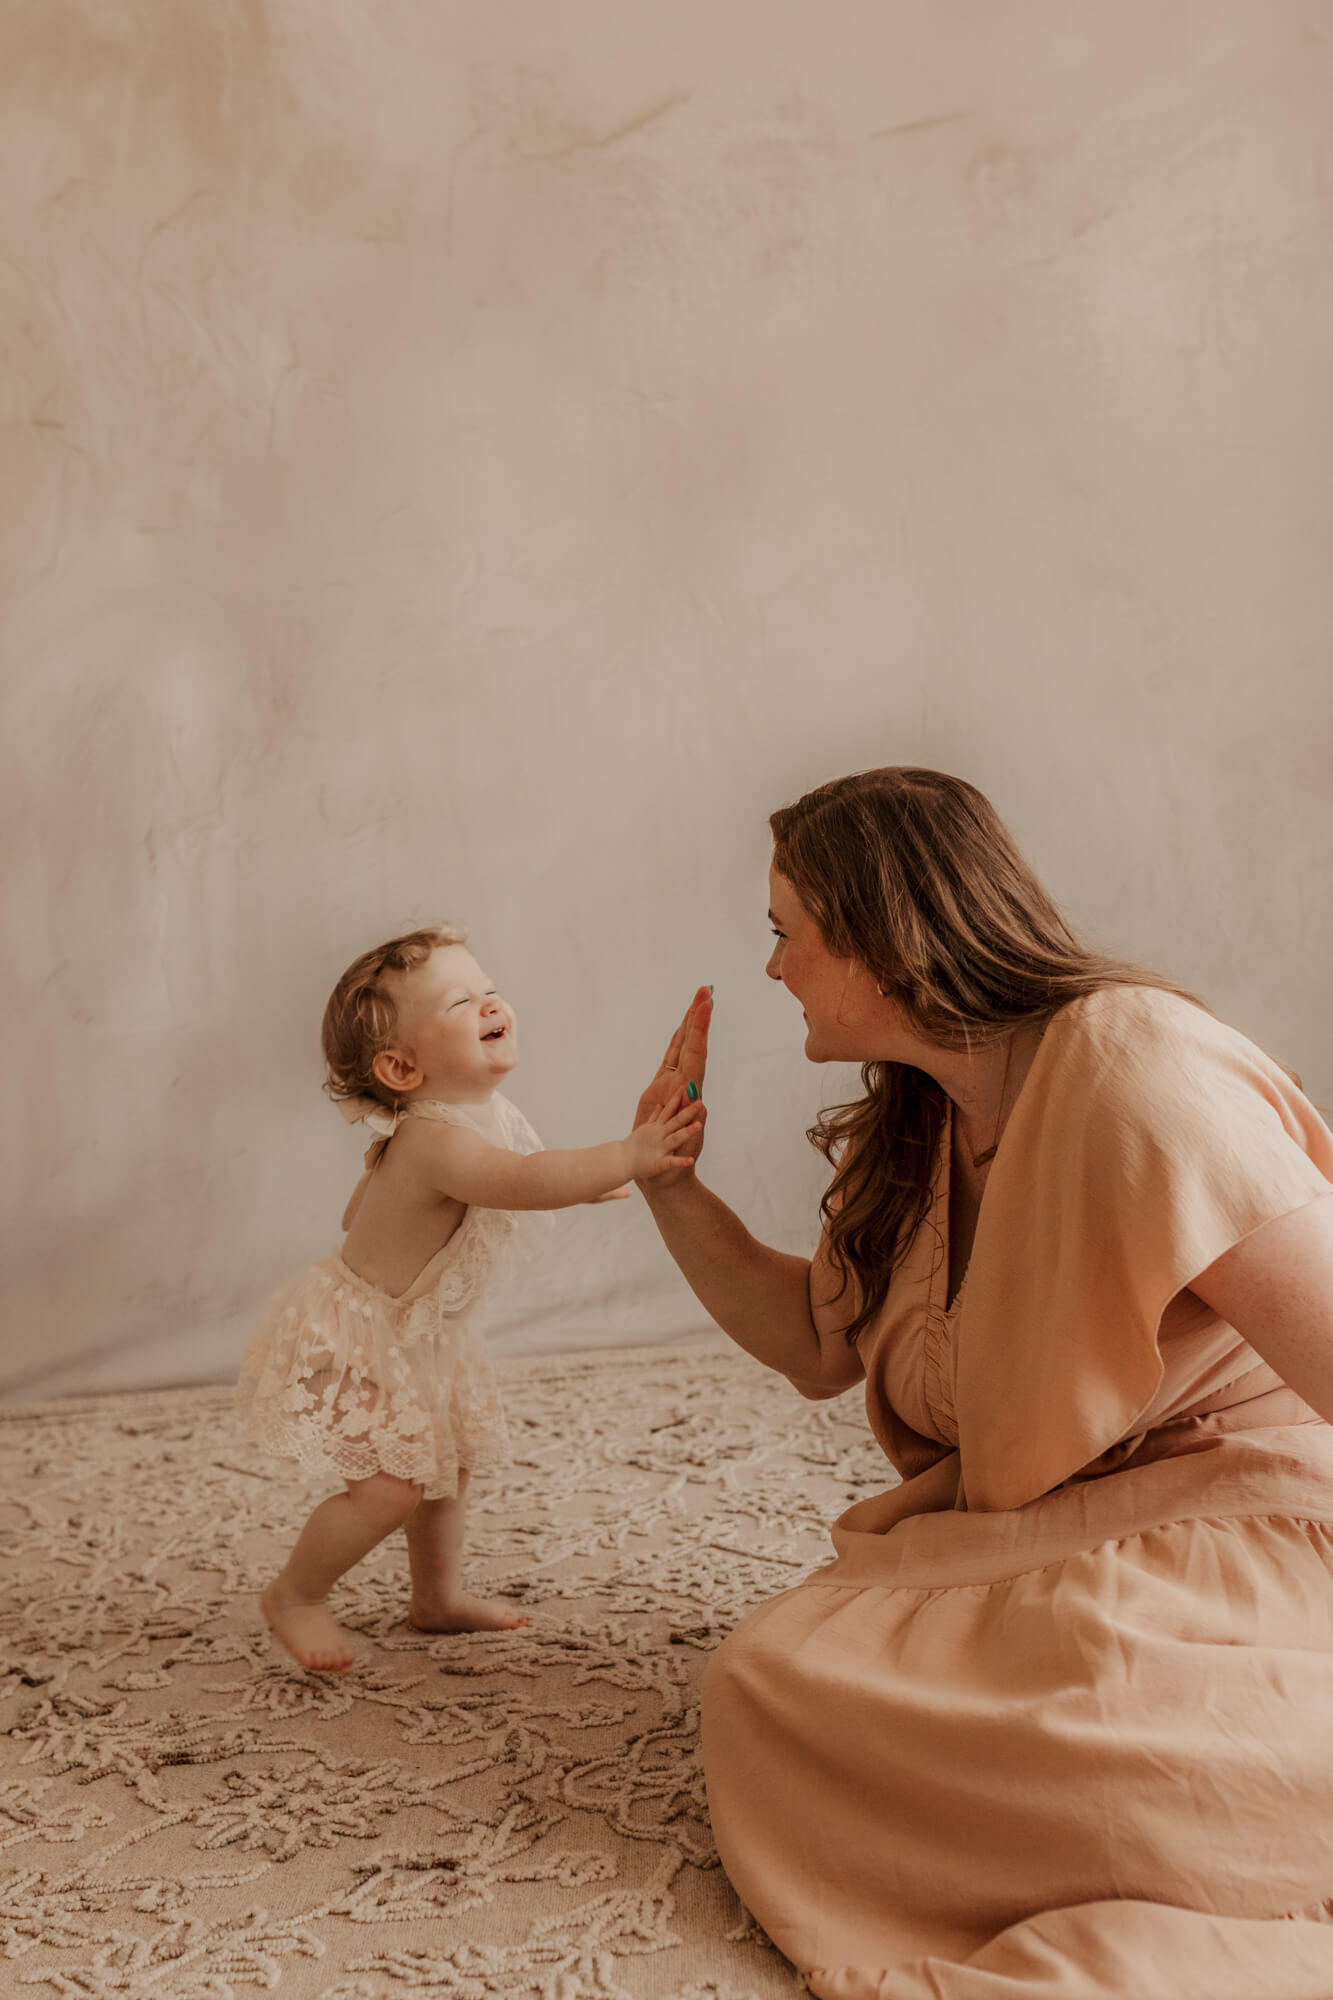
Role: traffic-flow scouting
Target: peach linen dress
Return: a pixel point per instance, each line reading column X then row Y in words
column 1058, row 1718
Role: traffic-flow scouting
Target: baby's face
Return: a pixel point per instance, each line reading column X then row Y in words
column 461, row 1033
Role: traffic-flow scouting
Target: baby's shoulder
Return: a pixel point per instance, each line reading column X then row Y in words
column 426, row 1143
column 495, row 1123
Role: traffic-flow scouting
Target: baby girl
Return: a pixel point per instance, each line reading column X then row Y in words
column 370, row 1364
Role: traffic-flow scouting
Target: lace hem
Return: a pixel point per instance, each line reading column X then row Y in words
column 344, row 1386
column 434, row 1464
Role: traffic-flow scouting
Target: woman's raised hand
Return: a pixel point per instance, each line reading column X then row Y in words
column 684, row 1064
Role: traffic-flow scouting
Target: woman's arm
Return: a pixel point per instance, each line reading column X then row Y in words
column 1276, row 1288
column 771, row 1304
column 759, row 1296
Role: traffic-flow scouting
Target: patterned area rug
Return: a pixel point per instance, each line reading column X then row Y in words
column 518, row 1815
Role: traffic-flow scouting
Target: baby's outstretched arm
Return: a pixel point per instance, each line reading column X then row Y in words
column 458, row 1162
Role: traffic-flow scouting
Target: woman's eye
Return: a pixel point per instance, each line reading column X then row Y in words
column 779, row 934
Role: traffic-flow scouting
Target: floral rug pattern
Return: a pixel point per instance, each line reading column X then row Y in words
column 185, row 1815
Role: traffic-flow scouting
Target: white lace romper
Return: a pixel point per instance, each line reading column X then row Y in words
column 352, row 1380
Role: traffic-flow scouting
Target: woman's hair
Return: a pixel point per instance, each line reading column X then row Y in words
column 362, row 1016
column 913, row 874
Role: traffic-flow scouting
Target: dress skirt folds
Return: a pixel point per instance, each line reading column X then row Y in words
column 1058, row 1718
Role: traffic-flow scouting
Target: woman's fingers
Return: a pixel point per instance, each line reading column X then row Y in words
column 683, row 1063
column 692, row 1059
column 690, row 1041
column 671, row 1060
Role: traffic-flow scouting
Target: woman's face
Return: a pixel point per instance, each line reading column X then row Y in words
column 832, row 992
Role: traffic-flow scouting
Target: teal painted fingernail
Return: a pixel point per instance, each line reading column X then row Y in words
column 692, row 1091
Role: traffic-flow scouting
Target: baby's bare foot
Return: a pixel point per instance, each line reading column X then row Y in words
column 310, row 1632
column 464, row 1614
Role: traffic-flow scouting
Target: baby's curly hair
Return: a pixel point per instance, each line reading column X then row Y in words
column 361, row 1016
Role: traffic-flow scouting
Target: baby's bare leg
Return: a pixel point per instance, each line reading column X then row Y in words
column 342, row 1529
column 435, row 1551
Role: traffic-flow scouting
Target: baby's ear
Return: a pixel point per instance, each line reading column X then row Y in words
column 396, row 1070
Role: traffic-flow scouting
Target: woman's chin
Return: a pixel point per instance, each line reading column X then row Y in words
column 830, row 1048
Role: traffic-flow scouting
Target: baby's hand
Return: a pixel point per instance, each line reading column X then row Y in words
column 656, row 1145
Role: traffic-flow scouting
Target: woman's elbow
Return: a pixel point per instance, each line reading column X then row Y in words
column 833, row 1380
column 818, row 1392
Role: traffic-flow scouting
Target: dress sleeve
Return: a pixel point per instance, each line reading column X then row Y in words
column 1147, row 1140
column 519, row 1135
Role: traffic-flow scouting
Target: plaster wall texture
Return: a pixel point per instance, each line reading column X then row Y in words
column 476, row 461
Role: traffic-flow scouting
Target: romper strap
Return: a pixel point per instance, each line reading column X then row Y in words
column 382, row 1119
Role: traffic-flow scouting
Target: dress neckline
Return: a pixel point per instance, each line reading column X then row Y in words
column 940, row 1208
column 482, row 1117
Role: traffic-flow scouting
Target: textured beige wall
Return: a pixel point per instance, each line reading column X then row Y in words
column 477, row 460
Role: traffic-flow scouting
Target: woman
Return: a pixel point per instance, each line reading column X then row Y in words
column 1058, row 1717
